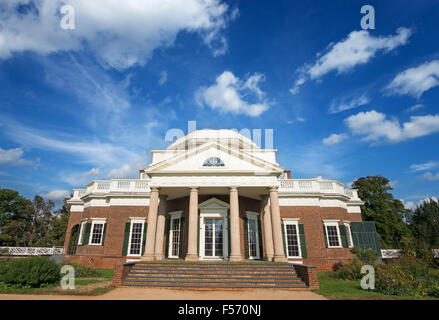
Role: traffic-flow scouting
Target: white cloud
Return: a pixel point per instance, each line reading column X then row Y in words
column 56, row 195
column 346, row 103
column 424, row 166
column 334, row 139
column 358, row 48
column 163, row 78
column 77, row 179
column 430, row 176
column 374, row 126
column 120, row 33
column 91, row 151
column 228, row 93
column 130, row 169
column 411, row 205
column 415, row 81
column 415, row 107
column 12, row 157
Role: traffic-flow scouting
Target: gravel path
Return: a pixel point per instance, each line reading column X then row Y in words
column 179, row 294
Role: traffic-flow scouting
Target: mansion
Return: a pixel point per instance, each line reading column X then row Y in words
column 216, row 195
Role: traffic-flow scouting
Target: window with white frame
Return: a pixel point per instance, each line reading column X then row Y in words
column 136, row 237
column 97, row 231
column 349, row 234
column 292, row 239
column 253, row 236
column 174, row 235
column 333, row 235
column 81, row 231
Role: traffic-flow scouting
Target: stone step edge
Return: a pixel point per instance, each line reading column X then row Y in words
column 210, row 281
column 179, row 276
column 218, row 286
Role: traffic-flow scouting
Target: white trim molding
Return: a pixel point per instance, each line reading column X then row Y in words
column 96, row 221
column 332, row 223
column 295, row 222
column 132, row 222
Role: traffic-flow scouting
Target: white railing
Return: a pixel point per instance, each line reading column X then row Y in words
column 390, row 253
column 395, row 253
column 30, row 251
column 316, row 186
column 115, row 185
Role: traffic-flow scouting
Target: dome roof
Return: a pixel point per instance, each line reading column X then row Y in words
column 198, row 137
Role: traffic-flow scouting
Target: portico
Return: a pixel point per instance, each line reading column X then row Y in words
column 214, row 228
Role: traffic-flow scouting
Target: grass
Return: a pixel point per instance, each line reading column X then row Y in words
column 90, row 286
column 339, row 289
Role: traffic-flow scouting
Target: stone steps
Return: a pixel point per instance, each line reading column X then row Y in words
column 213, row 275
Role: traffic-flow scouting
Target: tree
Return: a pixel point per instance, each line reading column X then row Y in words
column 381, row 207
column 57, row 233
column 424, row 222
column 26, row 223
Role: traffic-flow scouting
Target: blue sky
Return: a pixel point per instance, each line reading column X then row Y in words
column 90, row 102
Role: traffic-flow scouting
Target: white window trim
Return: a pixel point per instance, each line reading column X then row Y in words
column 94, row 221
column 349, row 234
column 135, row 220
column 332, row 223
column 174, row 215
column 81, row 231
column 214, row 213
column 293, row 221
column 254, row 216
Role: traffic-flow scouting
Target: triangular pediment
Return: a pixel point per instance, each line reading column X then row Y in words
column 231, row 160
column 213, row 203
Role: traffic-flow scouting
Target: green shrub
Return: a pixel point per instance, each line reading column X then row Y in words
column 84, row 272
column 404, row 279
column 34, row 272
column 349, row 271
column 368, row 256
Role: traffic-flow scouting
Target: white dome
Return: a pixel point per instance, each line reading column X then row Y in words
column 198, row 137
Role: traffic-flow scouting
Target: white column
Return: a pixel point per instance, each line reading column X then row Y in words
column 192, row 253
column 279, row 254
column 235, row 239
column 152, row 223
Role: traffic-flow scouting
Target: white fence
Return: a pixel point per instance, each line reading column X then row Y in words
column 30, row 251
column 395, row 253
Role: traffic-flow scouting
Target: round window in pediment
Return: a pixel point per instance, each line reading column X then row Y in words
column 213, row 162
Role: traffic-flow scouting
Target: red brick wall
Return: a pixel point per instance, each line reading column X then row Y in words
column 312, row 219
column 111, row 252
column 310, row 216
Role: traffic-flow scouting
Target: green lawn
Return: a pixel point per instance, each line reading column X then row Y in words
column 338, row 289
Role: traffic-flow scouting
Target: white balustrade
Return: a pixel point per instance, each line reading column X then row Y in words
column 31, row 251
column 316, row 186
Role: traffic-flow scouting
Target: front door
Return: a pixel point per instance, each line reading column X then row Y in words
column 213, row 237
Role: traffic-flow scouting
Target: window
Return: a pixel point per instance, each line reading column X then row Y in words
column 97, row 231
column 292, row 241
column 333, row 235
column 349, row 234
column 136, row 237
column 253, row 236
column 174, row 236
column 213, row 162
column 81, row 231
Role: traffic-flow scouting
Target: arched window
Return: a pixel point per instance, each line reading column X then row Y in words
column 213, row 162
